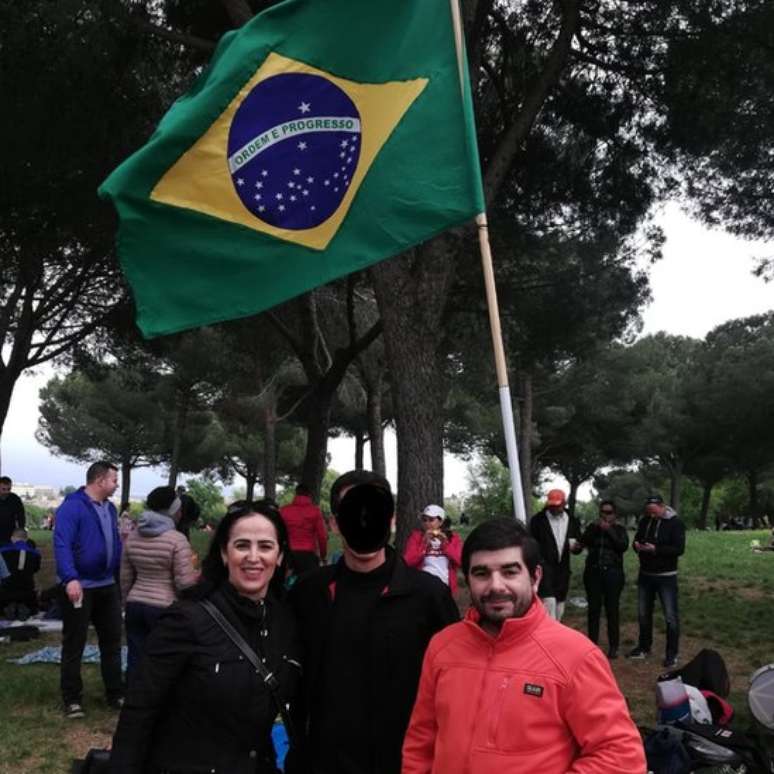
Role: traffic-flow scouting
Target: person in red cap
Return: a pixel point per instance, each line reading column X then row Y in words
column 558, row 535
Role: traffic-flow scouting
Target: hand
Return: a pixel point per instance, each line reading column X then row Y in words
column 647, row 547
column 74, row 592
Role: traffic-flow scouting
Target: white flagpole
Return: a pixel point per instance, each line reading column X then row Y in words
column 506, row 406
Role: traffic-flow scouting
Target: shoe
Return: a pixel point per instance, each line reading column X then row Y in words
column 74, row 711
column 612, row 653
column 638, row 654
column 116, row 704
column 670, row 662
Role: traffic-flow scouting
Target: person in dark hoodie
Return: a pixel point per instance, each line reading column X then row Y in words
column 87, row 550
column 18, row 598
column 659, row 541
column 156, row 563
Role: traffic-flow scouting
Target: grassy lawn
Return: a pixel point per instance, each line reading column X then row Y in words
column 726, row 595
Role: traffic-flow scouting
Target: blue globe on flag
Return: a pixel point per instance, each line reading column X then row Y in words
column 293, row 148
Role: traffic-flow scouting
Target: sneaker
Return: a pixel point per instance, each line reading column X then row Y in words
column 638, row 654
column 74, row 711
column 670, row 662
column 117, row 703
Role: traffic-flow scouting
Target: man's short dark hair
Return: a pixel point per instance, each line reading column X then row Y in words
column 98, row 469
column 303, row 490
column 496, row 534
column 6, row 480
column 355, row 478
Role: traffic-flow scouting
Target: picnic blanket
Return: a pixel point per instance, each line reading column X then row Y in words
column 45, row 625
column 53, row 655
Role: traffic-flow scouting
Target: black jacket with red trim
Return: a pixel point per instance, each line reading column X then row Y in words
column 413, row 607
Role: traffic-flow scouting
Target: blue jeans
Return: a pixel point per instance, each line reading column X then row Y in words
column 648, row 586
column 139, row 620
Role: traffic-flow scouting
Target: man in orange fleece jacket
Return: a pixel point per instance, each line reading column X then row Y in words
column 510, row 690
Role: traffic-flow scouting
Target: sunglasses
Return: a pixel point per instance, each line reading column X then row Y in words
column 248, row 506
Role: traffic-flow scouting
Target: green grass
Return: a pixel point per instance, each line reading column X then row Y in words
column 725, row 603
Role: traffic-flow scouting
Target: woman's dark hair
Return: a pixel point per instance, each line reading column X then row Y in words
column 496, row 534
column 160, row 498
column 214, row 572
column 611, row 503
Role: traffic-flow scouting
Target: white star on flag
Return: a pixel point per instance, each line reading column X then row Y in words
column 265, row 173
column 302, row 146
column 240, row 181
column 296, row 171
column 304, row 107
column 259, row 185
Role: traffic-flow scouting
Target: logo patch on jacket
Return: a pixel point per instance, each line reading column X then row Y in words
column 533, row 690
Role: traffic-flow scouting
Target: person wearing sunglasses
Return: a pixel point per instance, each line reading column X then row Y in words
column 202, row 699
column 603, row 576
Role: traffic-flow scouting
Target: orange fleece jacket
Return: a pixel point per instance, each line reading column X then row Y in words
column 539, row 697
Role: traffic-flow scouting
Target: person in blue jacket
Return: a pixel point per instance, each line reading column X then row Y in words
column 87, row 549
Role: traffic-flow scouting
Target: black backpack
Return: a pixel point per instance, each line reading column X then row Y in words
column 706, row 671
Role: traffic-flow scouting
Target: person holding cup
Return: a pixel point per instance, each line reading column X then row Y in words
column 558, row 535
column 603, row 576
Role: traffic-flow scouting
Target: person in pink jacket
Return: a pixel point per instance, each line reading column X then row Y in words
column 434, row 548
column 509, row 689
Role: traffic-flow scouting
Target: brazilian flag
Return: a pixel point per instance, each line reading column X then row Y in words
column 325, row 135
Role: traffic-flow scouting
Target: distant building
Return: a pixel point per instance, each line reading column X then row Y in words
column 37, row 494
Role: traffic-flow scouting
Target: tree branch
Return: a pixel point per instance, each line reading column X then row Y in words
column 192, row 41
column 238, row 11
column 517, row 132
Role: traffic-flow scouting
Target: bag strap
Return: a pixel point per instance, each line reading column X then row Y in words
column 269, row 680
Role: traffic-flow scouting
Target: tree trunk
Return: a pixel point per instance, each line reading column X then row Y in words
column 269, row 452
column 410, row 292
column 250, row 479
column 7, row 383
column 675, row 484
column 525, row 439
column 375, row 429
column 706, row 494
column 181, row 419
column 316, row 456
column 359, row 449
column 752, row 482
column 126, row 480
column 572, row 498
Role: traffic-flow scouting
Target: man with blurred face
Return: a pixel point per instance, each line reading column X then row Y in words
column 87, row 549
column 509, row 689
column 558, row 535
column 365, row 623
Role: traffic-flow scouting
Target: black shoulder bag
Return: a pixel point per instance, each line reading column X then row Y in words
column 269, row 680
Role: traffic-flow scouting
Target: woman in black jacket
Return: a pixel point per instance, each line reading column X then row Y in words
column 196, row 704
column 603, row 577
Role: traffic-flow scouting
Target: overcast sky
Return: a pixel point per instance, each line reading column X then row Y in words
column 703, row 280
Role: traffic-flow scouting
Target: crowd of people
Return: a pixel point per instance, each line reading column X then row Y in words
column 365, row 658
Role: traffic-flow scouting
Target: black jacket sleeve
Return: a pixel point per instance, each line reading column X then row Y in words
column 168, row 649
column 675, row 545
column 618, row 538
column 639, row 535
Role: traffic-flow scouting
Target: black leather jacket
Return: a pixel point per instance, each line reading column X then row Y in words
column 606, row 547
column 195, row 704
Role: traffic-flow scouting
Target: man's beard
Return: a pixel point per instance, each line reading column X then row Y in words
column 514, row 607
